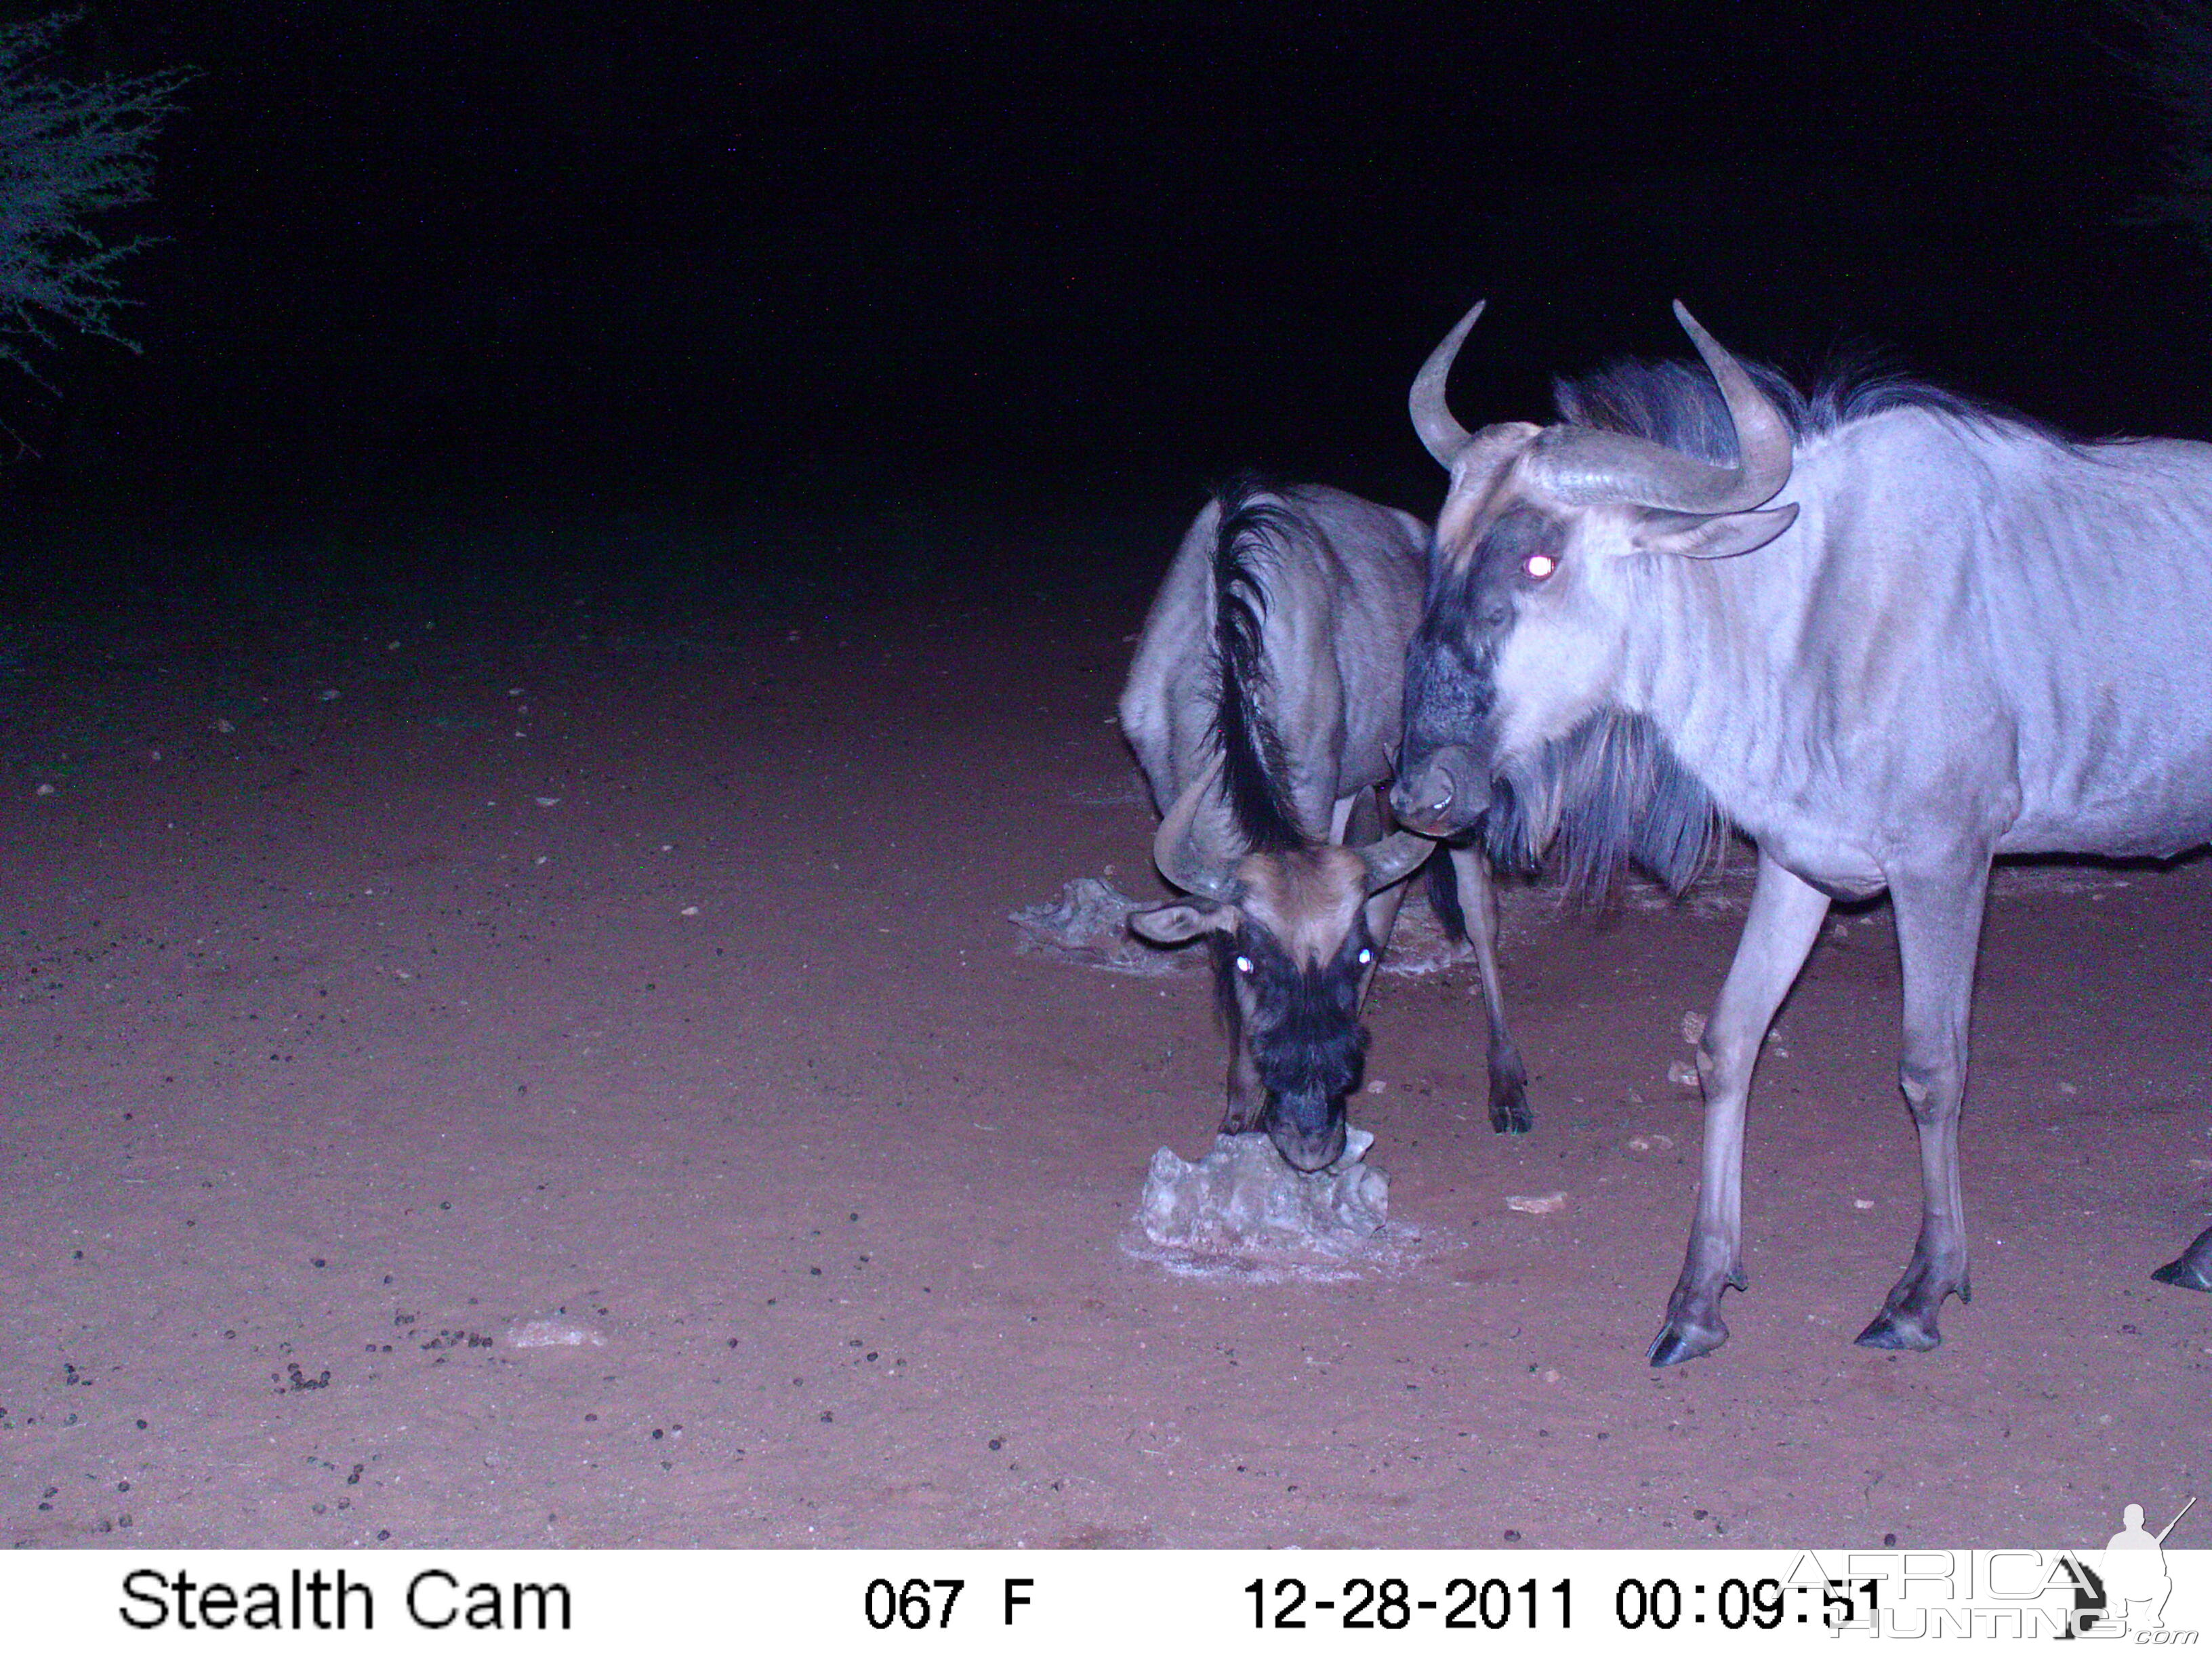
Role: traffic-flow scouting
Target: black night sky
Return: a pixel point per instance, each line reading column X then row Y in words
column 468, row 257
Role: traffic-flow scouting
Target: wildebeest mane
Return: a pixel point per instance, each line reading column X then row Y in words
column 1252, row 527
column 1674, row 403
column 1609, row 793
column 1677, row 402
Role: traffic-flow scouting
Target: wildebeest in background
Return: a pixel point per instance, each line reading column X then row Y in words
column 1262, row 704
column 1963, row 636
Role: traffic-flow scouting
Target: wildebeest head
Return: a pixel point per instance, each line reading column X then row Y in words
column 1539, row 570
column 1291, row 954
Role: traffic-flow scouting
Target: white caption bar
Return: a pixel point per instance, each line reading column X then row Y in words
column 989, row 1601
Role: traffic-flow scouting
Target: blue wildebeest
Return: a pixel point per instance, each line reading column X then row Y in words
column 1262, row 704
column 1959, row 636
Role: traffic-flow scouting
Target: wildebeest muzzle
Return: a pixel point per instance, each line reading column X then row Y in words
column 1442, row 793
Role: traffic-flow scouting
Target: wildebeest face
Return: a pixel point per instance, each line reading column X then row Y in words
column 1534, row 596
column 1521, row 637
column 1291, row 955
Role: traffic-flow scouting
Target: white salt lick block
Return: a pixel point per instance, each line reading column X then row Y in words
column 1244, row 1197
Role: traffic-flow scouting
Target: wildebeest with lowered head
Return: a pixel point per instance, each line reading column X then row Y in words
column 1261, row 705
column 1959, row 635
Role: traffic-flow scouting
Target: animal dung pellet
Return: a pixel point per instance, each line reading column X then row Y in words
column 1693, row 1026
column 1683, row 1073
column 1650, row 1143
column 1243, row 1198
column 1541, row 1204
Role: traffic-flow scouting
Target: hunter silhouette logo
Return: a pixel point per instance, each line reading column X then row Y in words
column 2136, row 1584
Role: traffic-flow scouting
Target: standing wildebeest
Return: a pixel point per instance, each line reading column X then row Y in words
column 1963, row 636
column 1261, row 705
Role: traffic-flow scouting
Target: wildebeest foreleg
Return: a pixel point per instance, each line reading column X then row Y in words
column 1359, row 820
column 1778, row 936
column 1508, row 1078
column 1939, row 924
column 2192, row 1270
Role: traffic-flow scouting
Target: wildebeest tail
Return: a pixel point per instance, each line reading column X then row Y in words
column 1252, row 527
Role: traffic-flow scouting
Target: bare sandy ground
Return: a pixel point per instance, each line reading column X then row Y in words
column 484, row 1073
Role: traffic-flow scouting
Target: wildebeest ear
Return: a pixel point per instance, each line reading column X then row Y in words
column 1181, row 920
column 1715, row 536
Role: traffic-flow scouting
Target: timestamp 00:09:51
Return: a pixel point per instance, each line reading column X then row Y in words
column 1495, row 1604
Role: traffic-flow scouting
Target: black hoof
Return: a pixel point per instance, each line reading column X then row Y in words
column 1895, row 1328
column 2183, row 1273
column 1677, row 1342
column 1509, row 1109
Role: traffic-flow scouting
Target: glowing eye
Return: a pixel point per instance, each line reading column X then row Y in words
column 1539, row 565
column 1365, row 957
column 1244, row 965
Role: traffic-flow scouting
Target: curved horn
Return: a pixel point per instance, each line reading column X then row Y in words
column 1176, row 849
column 1394, row 858
column 1441, row 435
column 1590, row 468
column 1763, row 443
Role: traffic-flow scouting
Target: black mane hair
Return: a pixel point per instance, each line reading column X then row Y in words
column 1609, row 793
column 1252, row 525
column 1674, row 402
column 1677, row 402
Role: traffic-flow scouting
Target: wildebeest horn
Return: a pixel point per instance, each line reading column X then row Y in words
column 1590, row 468
column 1441, row 435
column 1176, row 850
column 1394, row 858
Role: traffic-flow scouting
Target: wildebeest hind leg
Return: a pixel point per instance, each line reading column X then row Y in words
column 1509, row 1078
column 1778, row 936
column 2192, row 1270
column 1939, row 924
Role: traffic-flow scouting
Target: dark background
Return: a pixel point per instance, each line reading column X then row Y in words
column 460, row 263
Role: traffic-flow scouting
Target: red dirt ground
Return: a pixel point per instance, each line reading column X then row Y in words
column 658, row 984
